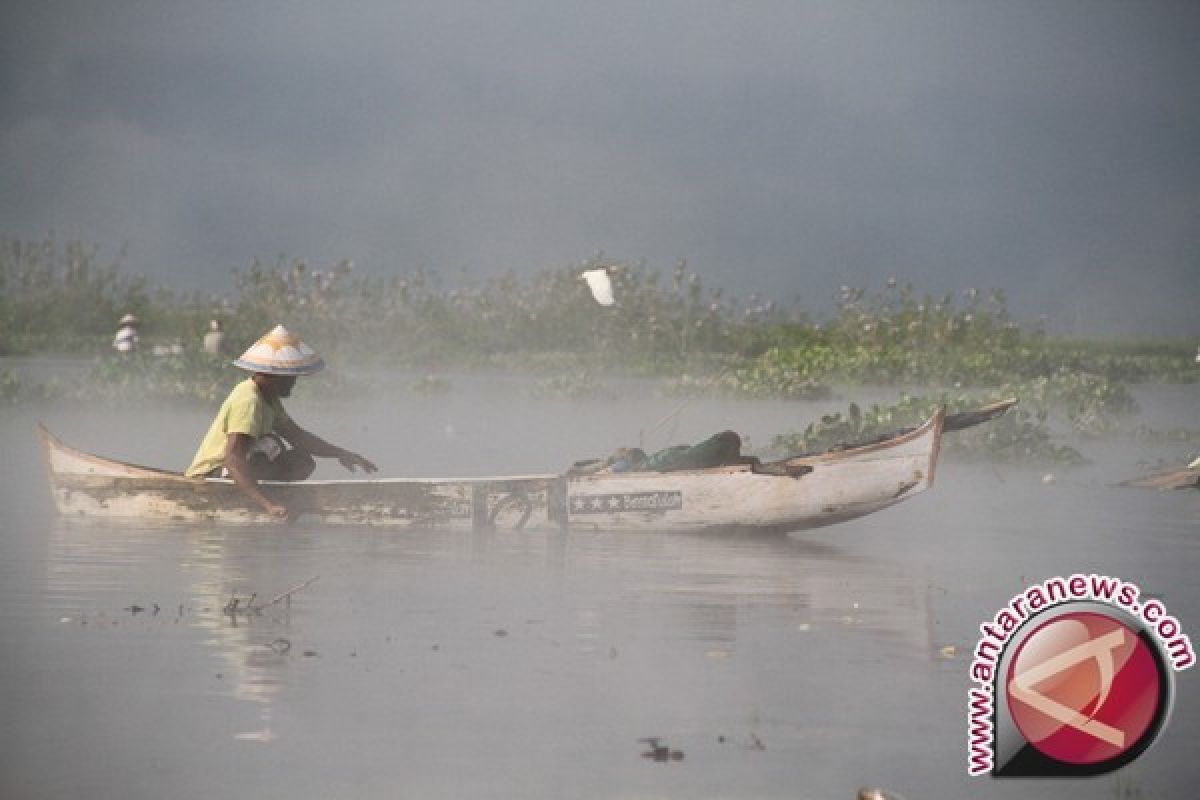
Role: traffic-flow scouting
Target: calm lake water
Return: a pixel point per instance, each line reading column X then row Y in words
column 424, row 664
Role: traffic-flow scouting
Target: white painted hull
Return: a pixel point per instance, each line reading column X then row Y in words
column 842, row 485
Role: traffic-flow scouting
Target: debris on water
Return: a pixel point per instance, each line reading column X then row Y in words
column 660, row 752
column 436, row 647
column 280, row 645
column 612, row 653
column 1049, row 479
column 245, row 607
column 500, row 633
column 756, row 743
column 156, row 609
column 311, row 653
column 288, row 594
column 235, row 607
column 134, row 609
column 873, row 793
column 65, row 619
column 948, row 651
column 804, row 627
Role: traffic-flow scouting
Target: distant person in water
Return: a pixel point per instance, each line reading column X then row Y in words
column 214, row 339
column 126, row 340
column 253, row 438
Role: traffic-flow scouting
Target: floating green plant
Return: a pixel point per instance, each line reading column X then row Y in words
column 10, row 387
column 576, row 386
column 1020, row 435
column 431, row 384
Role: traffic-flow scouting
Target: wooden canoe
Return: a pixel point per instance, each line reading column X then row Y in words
column 1182, row 478
column 835, row 486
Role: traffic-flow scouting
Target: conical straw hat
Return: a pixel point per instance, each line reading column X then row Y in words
column 280, row 353
column 129, row 319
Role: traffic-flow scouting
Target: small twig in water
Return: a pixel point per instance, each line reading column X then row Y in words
column 288, row 594
column 235, row 605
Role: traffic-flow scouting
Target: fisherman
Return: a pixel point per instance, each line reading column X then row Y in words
column 126, row 340
column 253, row 438
column 214, row 339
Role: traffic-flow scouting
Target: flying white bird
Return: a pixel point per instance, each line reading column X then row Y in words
column 600, row 284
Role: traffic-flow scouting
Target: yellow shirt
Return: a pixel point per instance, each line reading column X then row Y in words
column 244, row 411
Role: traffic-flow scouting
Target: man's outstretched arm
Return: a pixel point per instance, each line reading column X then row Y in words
column 317, row 446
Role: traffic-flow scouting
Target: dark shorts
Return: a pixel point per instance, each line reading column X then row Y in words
column 291, row 465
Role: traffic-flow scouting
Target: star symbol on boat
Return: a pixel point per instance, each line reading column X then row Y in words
column 614, row 502
column 597, row 503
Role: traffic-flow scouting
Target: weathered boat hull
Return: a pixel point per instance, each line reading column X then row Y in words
column 1184, row 478
column 841, row 485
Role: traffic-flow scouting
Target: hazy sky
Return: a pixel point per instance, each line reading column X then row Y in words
column 1051, row 149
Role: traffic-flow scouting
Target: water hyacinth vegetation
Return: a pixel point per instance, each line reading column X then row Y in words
column 962, row 348
column 1021, row 435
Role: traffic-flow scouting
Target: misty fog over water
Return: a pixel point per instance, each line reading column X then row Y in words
column 779, row 155
column 423, row 663
column 1046, row 149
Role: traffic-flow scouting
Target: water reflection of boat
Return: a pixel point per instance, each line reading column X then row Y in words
column 806, row 491
column 183, row 583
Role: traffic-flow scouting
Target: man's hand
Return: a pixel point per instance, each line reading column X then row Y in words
column 277, row 511
column 236, row 447
column 303, row 440
column 353, row 460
